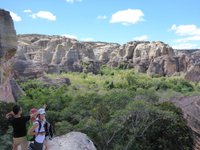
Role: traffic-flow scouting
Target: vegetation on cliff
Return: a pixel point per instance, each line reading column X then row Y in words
column 117, row 109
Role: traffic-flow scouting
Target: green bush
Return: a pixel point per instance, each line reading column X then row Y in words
column 118, row 109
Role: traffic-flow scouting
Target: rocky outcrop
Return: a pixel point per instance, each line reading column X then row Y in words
column 24, row 70
column 55, row 54
column 193, row 74
column 8, row 47
column 72, row 141
column 191, row 109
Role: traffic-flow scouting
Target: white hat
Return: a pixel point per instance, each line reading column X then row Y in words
column 41, row 111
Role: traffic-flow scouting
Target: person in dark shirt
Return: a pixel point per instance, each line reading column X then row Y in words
column 18, row 123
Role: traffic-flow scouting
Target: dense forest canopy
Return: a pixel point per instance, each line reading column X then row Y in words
column 117, row 109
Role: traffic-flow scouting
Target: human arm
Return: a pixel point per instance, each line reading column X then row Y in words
column 9, row 115
column 34, row 115
column 31, row 131
column 45, row 107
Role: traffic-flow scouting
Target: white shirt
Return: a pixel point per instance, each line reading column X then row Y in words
column 40, row 137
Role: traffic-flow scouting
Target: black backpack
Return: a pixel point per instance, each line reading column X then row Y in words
column 49, row 130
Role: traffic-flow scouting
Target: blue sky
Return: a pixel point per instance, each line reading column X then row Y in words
column 175, row 22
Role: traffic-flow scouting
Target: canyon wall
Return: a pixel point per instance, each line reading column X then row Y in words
column 55, row 54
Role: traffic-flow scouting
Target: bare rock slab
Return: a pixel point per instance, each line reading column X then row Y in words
column 72, row 141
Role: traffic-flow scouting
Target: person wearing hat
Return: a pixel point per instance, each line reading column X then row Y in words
column 30, row 138
column 38, row 131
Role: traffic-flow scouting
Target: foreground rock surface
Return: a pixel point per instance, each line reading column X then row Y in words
column 72, row 141
column 190, row 106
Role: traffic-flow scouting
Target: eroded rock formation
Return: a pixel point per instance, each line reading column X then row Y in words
column 55, row 54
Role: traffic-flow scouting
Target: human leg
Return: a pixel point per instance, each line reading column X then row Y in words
column 20, row 141
column 46, row 146
column 15, row 147
column 24, row 144
column 16, row 143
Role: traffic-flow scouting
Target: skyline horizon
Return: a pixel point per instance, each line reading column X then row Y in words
column 103, row 41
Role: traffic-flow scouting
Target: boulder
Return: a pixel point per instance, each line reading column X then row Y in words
column 72, row 141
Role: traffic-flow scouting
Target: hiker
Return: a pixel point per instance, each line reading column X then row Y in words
column 30, row 124
column 38, row 131
column 48, row 130
column 18, row 123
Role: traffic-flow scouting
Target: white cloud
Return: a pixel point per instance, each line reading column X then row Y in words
column 101, row 17
column 87, row 39
column 185, row 46
column 126, row 17
column 189, row 33
column 15, row 17
column 141, row 38
column 27, row 11
column 44, row 15
column 70, row 36
column 72, row 1
column 185, row 30
column 187, row 39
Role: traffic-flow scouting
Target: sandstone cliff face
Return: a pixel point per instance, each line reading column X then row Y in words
column 8, row 47
column 55, row 54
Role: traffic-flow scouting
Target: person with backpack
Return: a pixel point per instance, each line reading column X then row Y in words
column 38, row 131
column 18, row 122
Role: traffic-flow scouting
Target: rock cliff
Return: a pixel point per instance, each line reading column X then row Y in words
column 9, row 90
column 55, row 54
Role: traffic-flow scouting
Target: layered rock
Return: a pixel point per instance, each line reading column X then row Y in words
column 8, row 47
